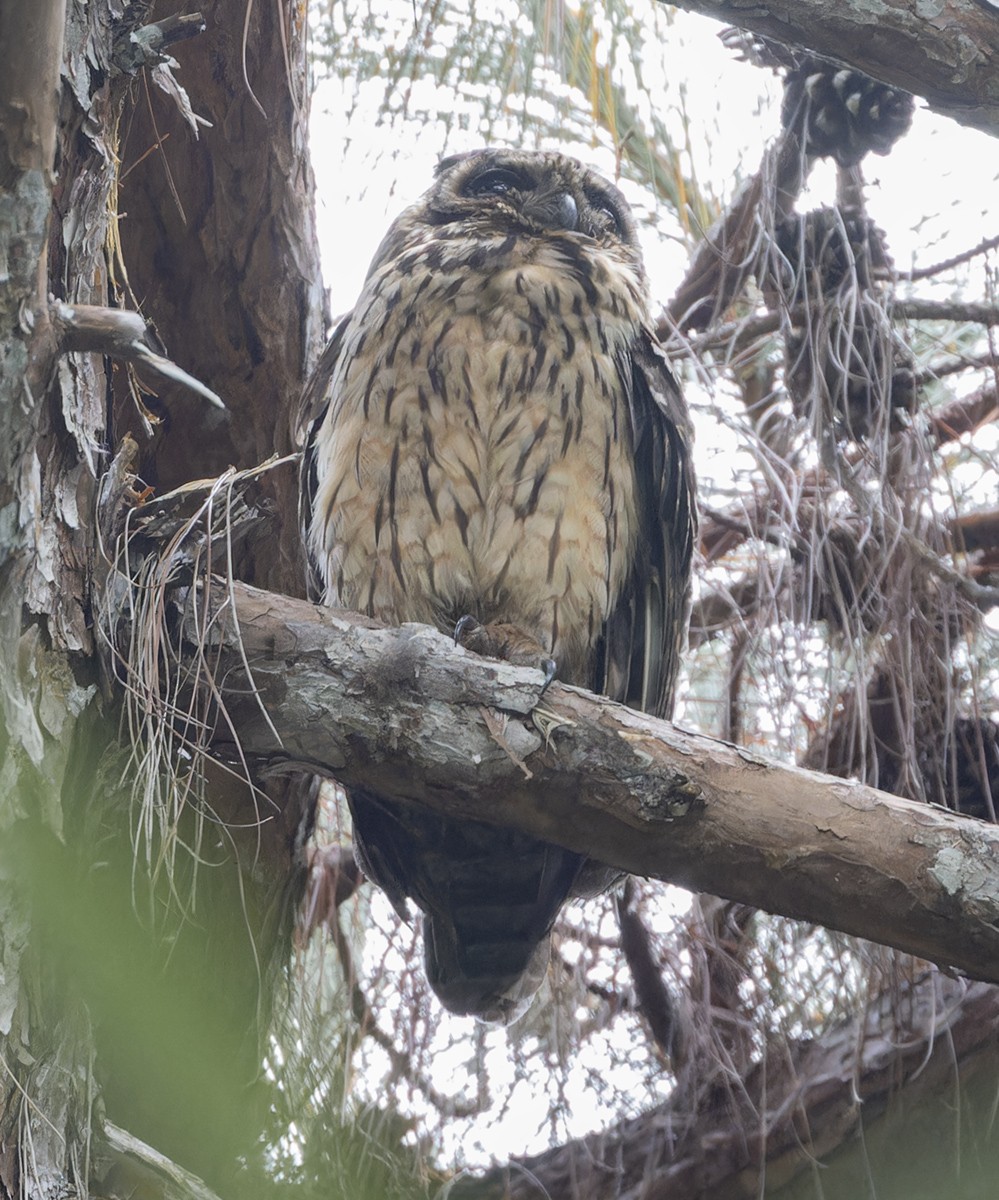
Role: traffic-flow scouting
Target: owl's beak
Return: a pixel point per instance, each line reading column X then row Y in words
column 553, row 210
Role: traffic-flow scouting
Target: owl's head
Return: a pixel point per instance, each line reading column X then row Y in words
column 499, row 193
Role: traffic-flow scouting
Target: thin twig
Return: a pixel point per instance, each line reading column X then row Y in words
column 983, row 247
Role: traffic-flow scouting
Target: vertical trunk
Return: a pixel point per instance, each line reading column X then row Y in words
column 51, row 425
column 233, row 289
column 221, row 251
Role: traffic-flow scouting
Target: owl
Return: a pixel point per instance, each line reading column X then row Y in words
column 494, row 443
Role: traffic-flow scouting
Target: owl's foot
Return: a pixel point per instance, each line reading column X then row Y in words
column 504, row 641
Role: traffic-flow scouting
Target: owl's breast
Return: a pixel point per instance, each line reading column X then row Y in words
column 479, row 446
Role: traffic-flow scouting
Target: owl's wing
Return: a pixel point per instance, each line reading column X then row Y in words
column 311, row 412
column 645, row 634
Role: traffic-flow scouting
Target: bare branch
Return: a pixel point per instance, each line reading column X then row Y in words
column 655, row 1002
column 147, row 45
column 983, row 247
column 400, row 710
column 947, row 310
column 743, row 332
column 139, row 1169
column 953, row 366
column 121, row 334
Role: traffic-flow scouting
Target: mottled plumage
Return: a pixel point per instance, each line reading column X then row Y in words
column 493, row 431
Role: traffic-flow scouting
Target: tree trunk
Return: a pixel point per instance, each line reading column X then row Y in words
column 96, row 166
column 219, row 238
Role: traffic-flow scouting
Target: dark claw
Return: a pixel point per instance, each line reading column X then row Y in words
column 465, row 623
column 549, row 666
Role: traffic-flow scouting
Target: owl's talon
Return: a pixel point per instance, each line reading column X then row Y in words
column 464, row 626
column 500, row 640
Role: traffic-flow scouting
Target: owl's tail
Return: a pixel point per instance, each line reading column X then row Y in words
column 489, row 896
column 487, row 939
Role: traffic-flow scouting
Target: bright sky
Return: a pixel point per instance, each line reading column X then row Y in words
column 935, row 195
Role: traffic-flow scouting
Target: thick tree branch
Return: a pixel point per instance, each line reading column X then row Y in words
column 411, row 716
column 946, row 53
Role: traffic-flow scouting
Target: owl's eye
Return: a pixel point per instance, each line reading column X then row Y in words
column 497, row 181
column 606, row 207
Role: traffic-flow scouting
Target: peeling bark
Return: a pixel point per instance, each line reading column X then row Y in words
column 65, row 107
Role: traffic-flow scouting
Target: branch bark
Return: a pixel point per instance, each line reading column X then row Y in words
column 131, row 1167
column 407, row 714
column 947, row 53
